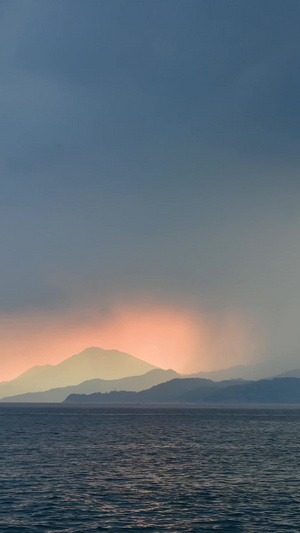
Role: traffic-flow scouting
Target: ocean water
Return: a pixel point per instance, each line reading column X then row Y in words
column 81, row 469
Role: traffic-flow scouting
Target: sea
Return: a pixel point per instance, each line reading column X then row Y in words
column 69, row 468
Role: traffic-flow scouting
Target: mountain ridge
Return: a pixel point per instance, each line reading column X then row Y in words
column 170, row 391
column 91, row 363
column 132, row 383
column 199, row 390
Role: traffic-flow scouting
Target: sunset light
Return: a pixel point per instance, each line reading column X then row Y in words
column 184, row 340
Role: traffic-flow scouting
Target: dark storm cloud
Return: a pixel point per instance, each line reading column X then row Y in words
column 150, row 146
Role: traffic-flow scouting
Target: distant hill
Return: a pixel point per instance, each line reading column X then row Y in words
column 133, row 383
column 276, row 390
column 176, row 390
column 234, row 372
column 290, row 374
column 197, row 390
column 163, row 392
column 90, row 364
column 203, row 394
column 249, row 372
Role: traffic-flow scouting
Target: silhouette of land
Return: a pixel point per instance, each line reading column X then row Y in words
column 111, row 376
column 133, row 383
column 197, row 390
column 89, row 364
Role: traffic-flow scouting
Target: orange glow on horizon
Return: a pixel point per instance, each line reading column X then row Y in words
column 184, row 340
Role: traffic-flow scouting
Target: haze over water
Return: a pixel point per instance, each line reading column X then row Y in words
column 73, row 470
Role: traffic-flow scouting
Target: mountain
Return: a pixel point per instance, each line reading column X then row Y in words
column 234, row 372
column 133, row 383
column 171, row 391
column 197, row 390
column 163, row 392
column 276, row 390
column 290, row 374
column 248, row 372
column 204, row 394
column 90, row 364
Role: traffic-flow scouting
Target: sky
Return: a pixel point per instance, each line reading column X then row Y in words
column 149, row 190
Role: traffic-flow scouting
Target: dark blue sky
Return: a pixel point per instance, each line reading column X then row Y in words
column 152, row 146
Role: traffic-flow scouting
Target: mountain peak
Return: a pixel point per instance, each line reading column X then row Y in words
column 91, row 363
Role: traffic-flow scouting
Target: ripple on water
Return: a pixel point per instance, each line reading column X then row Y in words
column 84, row 470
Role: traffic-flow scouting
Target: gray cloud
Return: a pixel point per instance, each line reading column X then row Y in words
column 151, row 146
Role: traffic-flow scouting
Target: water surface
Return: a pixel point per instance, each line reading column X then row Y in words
column 81, row 469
